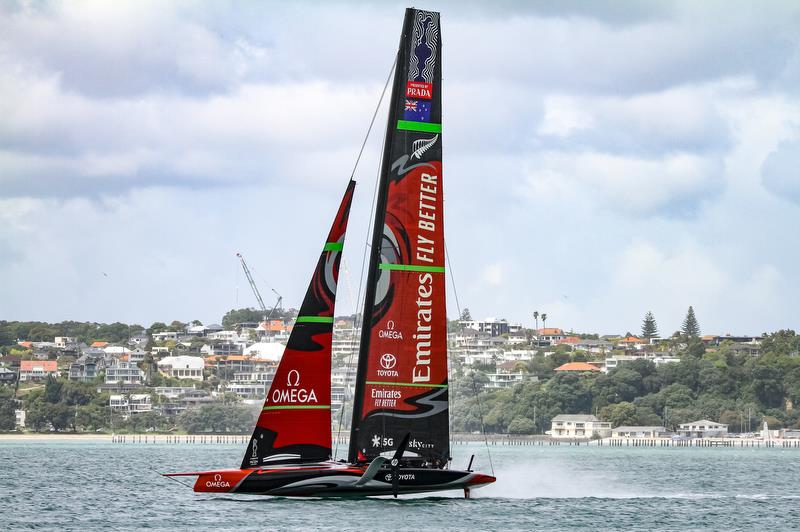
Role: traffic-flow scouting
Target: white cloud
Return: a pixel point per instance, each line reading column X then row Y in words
column 781, row 171
column 673, row 185
column 592, row 150
column 494, row 274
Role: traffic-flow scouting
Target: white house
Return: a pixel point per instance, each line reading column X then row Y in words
column 639, row 432
column 37, row 370
column 64, row 341
column 507, row 375
column 579, row 426
column 703, row 429
column 268, row 351
column 124, row 372
column 116, row 350
column 182, row 367
column 19, row 419
column 130, row 404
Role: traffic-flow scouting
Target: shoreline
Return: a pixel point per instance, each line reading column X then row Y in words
column 456, row 438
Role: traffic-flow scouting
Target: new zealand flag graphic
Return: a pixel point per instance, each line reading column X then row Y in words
column 417, row 111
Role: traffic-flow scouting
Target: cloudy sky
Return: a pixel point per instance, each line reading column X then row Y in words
column 602, row 159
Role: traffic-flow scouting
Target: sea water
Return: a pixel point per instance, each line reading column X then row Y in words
column 68, row 485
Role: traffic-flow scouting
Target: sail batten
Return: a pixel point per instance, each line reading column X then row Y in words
column 401, row 384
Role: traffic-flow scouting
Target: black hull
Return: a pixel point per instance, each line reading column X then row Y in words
column 335, row 480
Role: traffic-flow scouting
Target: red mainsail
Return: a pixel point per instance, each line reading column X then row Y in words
column 401, row 386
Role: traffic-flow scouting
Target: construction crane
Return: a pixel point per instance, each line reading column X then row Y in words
column 257, row 293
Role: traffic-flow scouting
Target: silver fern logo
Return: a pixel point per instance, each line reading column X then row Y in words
column 421, row 146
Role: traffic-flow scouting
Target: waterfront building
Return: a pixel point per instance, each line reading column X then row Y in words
column 492, row 326
column 577, row 367
column 37, row 370
column 123, row 372
column 19, row 419
column 235, row 364
column 640, row 432
column 549, row 336
column 248, row 391
column 517, row 338
column 137, row 355
column 173, row 392
column 657, row 358
column 140, row 402
column 83, row 369
column 135, row 403
column 599, row 347
column 507, row 375
column 116, row 350
column 703, row 429
column 579, row 426
column 267, row 351
column 182, row 367
column 338, row 397
column 7, row 376
column 64, row 341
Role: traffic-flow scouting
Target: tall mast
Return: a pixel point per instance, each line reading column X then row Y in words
column 375, row 247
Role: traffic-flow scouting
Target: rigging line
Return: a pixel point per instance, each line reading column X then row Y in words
column 356, row 321
column 375, row 114
column 477, row 395
column 483, row 427
column 171, row 478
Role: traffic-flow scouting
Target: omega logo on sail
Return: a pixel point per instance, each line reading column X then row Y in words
column 389, row 332
column 295, row 394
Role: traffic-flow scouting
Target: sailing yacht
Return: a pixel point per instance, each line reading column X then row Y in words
column 399, row 439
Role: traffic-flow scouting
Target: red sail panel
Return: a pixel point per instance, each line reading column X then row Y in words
column 295, row 421
column 402, row 381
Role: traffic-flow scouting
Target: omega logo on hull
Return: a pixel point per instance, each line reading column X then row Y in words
column 218, row 482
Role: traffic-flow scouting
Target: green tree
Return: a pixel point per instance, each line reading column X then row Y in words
column 242, row 315
column 768, row 385
column 8, row 418
column 52, row 390
column 649, row 327
column 690, row 326
column 157, row 327
column 521, row 425
column 620, row 414
column 465, row 315
column 91, row 417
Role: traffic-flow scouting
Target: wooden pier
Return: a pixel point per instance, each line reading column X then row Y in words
column 490, row 439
